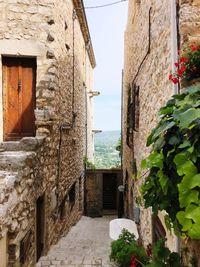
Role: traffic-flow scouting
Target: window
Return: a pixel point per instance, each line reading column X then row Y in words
column 63, row 211
column 136, row 108
column 81, row 179
column 129, row 133
column 133, row 113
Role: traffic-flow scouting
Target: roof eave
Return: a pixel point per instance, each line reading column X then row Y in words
column 80, row 11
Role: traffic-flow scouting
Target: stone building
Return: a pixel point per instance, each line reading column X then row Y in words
column 46, row 71
column 155, row 30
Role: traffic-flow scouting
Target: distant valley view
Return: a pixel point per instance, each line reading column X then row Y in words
column 106, row 155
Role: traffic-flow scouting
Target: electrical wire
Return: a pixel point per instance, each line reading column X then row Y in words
column 106, row 5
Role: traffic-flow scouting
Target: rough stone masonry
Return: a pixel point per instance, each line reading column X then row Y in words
column 42, row 177
column 148, row 62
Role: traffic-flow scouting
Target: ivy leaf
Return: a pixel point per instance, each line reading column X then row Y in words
column 166, row 110
column 160, row 142
column 186, row 102
column 185, row 144
column 187, row 117
column 146, row 186
column 194, row 232
column 172, row 101
column 186, row 223
column 181, row 158
column 155, row 159
column 191, row 149
column 197, row 104
column 187, row 168
column 162, row 127
column 164, row 181
column 188, row 197
column 166, row 125
column 174, row 140
column 194, row 215
column 189, row 182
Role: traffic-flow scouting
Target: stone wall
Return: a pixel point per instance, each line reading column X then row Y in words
column 148, row 25
column 51, row 163
column 148, row 62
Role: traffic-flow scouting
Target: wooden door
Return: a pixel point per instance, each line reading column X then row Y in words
column 40, row 226
column 109, row 191
column 19, row 82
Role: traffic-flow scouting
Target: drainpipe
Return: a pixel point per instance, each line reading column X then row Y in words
column 174, row 40
column 174, row 52
column 86, row 150
column 121, row 194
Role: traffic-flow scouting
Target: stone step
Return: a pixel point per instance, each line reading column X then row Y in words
column 25, row 144
column 7, row 181
column 8, row 178
column 15, row 160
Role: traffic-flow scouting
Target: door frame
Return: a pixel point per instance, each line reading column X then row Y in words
column 22, row 48
column 43, row 196
column 4, row 96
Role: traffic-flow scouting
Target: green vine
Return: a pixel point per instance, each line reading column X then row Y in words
column 173, row 181
column 89, row 164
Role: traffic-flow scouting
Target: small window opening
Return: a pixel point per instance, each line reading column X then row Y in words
column 63, row 210
column 72, row 196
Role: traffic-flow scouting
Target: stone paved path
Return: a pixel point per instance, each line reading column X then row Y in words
column 86, row 245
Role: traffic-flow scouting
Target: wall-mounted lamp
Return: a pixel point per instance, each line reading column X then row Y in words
column 94, row 93
column 121, row 188
column 96, row 131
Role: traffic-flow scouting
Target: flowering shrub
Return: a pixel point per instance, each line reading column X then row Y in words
column 188, row 65
column 126, row 252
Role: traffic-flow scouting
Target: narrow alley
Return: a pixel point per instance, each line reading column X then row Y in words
column 87, row 244
column 100, row 133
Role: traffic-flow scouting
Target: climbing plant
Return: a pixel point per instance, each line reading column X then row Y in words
column 173, row 180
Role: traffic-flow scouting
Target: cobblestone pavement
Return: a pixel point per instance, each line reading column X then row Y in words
column 87, row 244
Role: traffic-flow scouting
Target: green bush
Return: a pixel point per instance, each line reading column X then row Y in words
column 126, row 247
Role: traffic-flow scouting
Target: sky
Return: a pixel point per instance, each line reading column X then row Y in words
column 107, row 26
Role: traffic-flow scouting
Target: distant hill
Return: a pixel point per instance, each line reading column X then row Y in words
column 106, row 155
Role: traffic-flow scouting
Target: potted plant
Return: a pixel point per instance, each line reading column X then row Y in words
column 188, row 65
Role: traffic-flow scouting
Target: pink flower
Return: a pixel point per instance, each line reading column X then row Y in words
column 194, row 48
column 181, row 70
column 134, row 261
column 184, row 59
column 170, row 77
column 175, row 80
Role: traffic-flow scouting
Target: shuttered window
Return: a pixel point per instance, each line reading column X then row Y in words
column 133, row 113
